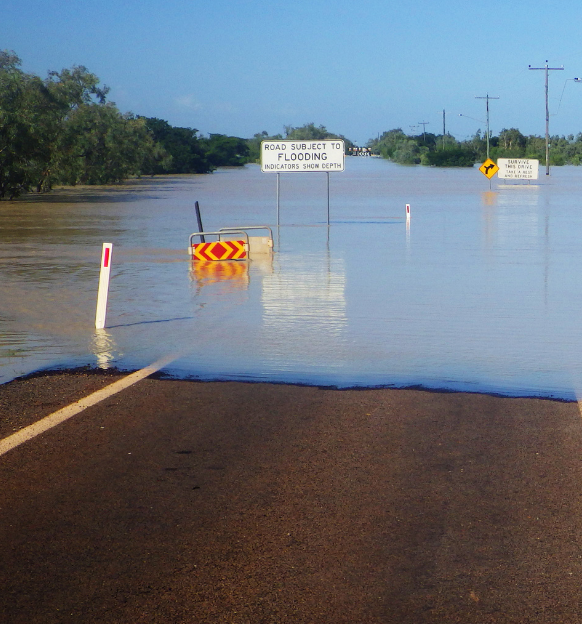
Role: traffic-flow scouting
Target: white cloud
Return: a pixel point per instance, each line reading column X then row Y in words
column 188, row 102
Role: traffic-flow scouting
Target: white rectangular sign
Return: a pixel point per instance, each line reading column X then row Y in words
column 518, row 168
column 302, row 156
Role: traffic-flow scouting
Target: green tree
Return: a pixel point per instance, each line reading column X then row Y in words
column 102, row 146
column 187, row 150
column 387, row 144
column 254, row 144
column 311, row 132
column 68, row 90
column 512, row 140
column 408, row 152
column 25, row 107
column 61, row 130
column 451, row 156
column 226, row 151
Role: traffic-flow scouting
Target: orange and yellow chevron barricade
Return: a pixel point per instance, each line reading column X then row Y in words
column 220, row 250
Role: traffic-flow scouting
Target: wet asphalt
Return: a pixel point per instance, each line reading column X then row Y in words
column 178, row 502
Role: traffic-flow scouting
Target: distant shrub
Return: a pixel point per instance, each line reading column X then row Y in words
column 451, row 157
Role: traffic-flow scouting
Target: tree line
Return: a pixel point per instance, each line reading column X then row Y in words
column 61, row 130
column 446, row 151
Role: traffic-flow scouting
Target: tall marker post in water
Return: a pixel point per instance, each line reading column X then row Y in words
column 103, row 285
column 199, row 221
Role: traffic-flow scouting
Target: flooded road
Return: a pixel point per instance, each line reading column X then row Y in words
column 481, row 292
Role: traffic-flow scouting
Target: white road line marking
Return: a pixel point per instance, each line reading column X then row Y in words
column 54, row 419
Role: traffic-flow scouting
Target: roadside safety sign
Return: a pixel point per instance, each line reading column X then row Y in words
column 220, row 250
column 489, row 168
column 302, row 156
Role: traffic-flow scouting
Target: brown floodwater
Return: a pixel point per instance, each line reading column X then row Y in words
column 480, row 291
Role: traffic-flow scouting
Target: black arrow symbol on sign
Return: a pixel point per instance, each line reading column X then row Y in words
column 489, row 167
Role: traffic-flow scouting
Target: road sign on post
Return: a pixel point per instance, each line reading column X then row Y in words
column 302, row 156
column 489, row 168
column 324, row 156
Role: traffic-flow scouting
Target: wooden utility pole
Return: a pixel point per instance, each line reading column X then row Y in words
column 547, row 69
column 487, row 97
column 444, row 128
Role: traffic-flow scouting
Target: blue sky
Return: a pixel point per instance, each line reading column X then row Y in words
column 358, row 67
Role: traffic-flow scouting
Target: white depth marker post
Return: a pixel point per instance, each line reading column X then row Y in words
column 103, row 285
column 407, row 212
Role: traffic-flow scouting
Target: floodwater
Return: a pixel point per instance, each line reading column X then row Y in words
column 481, row 291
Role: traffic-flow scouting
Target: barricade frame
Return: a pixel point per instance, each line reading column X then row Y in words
column 219, row 234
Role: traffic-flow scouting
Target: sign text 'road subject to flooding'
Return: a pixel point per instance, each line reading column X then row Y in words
column 302, row 156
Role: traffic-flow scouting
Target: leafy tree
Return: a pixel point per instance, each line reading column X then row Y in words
column 254, row 144
column 387, row 144
column 226, row 151
column 309, row 132
column 24, row 106
column 61, row 130
column 456, row 156
column 512, row 139
column 102, row 146
column 408, row 152
column 69, row 90
column 187, row 150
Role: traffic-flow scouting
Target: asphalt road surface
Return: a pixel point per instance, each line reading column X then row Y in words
column 184, row 502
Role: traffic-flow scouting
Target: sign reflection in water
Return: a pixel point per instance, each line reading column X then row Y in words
column 304, row 313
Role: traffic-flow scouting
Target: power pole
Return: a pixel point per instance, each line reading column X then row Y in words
column 547, row 69
column 487, row 97
column 444, row 128
column 423, row 124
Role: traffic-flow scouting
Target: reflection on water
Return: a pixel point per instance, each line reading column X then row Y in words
column 484, row 295
column 304, row 310
column 229, row 274
column 104, row 347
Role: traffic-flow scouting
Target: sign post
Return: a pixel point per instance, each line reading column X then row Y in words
column 284, row 156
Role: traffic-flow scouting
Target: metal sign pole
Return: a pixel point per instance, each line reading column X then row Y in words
column 278, row 199
column 327, row 197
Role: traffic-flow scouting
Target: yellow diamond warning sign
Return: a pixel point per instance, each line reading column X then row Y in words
column 489, row 168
